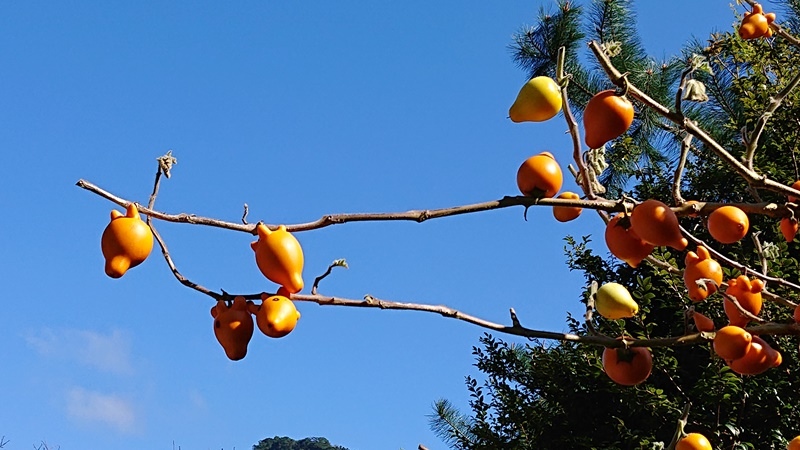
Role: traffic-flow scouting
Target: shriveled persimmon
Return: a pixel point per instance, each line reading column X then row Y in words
column 728, row 224
column 699, row 266
column 567, row 213
column 624, row 243
column 657, row 224
column 732, row 342
column 693, row 441
column 540, row 176
column 607, row 116
column 627, row 366
column 748, row 294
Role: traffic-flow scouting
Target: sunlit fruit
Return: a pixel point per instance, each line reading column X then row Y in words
column 732, row 342
column 728, row 224
column 627, row 366
column 126, row 242
column 540, row 176
column 657, row 224
column 233, row 327
column 624, row 243
column 537, row 101
column 700, row 265
column 276, row 316
column 693, row 441
column 759, row 357
column 794, row 444
column 607, row 116
column 613, row 301
column 279, row 257
column 748, row 294
column 567, row 213
column 755, row 24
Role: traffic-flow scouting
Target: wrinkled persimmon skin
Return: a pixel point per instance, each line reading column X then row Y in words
column 279, row 257
column 748, row 294
column 627, row 367
column 701, row 265
column 624, row 243
column 126, row 242
column 233, row 327
column 657, row 224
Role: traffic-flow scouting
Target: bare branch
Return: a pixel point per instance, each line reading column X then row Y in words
column 335, row 263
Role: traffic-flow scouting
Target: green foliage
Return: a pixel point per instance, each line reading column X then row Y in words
column 556, row 395
column 286, row 443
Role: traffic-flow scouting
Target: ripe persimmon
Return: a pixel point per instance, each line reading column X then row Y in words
column 607, row 116
column 794, row 444
column 657, row 224
column 728, row 224
column 276, row 316
column 701, row 265
column 279, row 257
column 693, row 441
column 789, row 227
column 126, row 242
column 702, row 323
column 624, row 243
column 567, row 213
column 755, row 23
column 732, row 342
column 795, row 186
column 759, row 357
column 233, row 327
column 748, row 294
column 627, row 366
column 540, row 176
column 797, row 314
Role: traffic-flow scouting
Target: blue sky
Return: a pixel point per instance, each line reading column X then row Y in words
column 298, row 109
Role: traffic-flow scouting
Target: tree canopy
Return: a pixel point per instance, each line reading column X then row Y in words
column 547, row 395
column 287, row 443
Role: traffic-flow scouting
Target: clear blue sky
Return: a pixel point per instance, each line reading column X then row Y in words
column 298, row 109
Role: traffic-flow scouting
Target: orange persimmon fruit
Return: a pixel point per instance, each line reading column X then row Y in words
column 233, row 327
column 789, row 227
column 276, row 316
column 728, row 224
column 701, row 265
column 126, row 242
column 748, row 294
column 279, row 257
column 567, row 213
column 627, row 366
column 607, row 116
column 624, row 243
column 657, row 224
column 732, row 342
column 693, row 441
column 540, row 176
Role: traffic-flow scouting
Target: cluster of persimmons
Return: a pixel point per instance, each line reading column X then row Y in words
column 127, row 241
column 631, row 236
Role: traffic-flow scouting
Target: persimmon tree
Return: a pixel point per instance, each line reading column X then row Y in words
column 689, row 165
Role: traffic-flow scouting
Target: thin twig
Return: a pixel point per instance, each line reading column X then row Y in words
column 760, row 251
column 761, row 123
column 563, row 81
column 335, row 263
column 680, row 431
column 686, row 144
